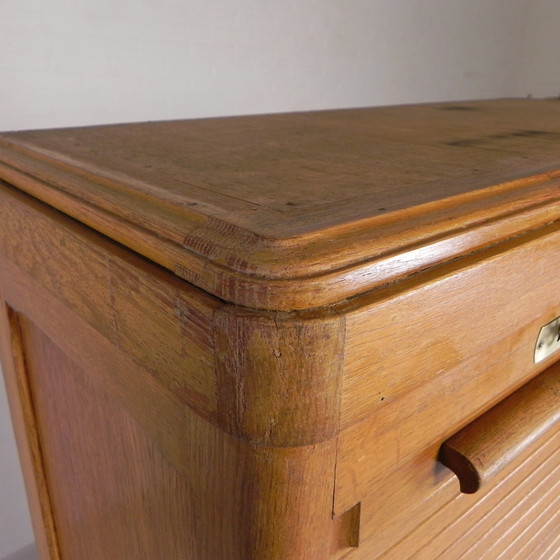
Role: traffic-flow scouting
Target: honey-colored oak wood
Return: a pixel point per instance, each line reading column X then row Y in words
column 326, row 205
column 260, row 365
column 441, row 522
column 26, row 431
column 153, row 510
column 487, row 445
column 421, row 360
column 248, row 338
column 229, row 478
column 120, row 295
column 410, row 333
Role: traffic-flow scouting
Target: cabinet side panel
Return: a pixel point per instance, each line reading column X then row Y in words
column 26, row 431
column 114, row 494
column 121, row 370
column 241, row 501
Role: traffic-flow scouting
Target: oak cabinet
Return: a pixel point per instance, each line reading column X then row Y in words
column 307, row 336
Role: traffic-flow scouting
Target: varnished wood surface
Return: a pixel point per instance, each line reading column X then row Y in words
column 296, row 211
column 250, row 501
column 423, row 360
column 237, row 368
column 419, row 513
column 26, row 429
column 280, row 377
column 258, row 493
column 103, row 510
column 280, row 430
column 162, row 323
column 269, row 395
column 417, row 332
column 499, row 524
column 486, row 446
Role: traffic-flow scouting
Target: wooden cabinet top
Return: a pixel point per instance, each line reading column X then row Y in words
column 294, row 211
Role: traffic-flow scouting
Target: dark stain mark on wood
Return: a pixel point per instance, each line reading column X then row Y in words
column 469, row 142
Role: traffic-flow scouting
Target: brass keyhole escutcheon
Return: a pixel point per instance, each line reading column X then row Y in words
column 548, row 341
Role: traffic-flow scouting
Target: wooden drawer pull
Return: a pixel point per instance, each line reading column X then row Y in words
column 491, row 442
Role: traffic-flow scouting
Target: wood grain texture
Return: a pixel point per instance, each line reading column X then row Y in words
column 372, row 281
column 159, row 411
column 411, row 332
column 440, row 522
column 422, row 359
column 487, row 445
column 254, row 497
column 263, row 360
column 26, row 429
column 378, row 194
column 506, row 518
column 166, row 461
column 103, row 510
column 164, row 324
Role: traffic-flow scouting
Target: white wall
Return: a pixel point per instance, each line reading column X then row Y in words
column 539, row 67
column 66, row 63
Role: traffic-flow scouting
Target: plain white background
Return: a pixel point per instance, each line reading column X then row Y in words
column 68, row 63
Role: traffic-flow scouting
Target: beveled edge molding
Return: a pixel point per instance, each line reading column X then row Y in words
column 308, row 270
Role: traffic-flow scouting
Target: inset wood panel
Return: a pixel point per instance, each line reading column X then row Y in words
column 26, row 431
column 114, row 494
column 251, row 502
